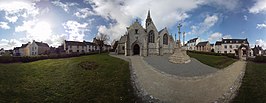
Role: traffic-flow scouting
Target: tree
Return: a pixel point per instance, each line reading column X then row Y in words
column 101, row 38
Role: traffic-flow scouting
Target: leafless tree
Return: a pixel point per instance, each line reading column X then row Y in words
column 101, row 40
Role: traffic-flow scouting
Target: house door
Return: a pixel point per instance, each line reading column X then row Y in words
column 136, row 49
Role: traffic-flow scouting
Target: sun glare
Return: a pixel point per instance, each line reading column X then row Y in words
column 42, row 30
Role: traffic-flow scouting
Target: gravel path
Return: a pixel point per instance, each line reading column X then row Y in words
column 193, row 68
column 172, row 90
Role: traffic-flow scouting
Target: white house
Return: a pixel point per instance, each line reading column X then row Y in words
column 232, row 45
column 80, row 47
column 218, row 47
column 191, row 44
column 38, row 48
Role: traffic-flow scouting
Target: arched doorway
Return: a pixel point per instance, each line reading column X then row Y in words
column 136, row 49
column 243, row 52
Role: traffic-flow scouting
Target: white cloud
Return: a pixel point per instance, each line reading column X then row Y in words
column 165, row 13
column 218, row 36
column 9, row 44
column 227, row 4
column 245, row 17
column 261, row 26
column 4, row 25
column 15, row 9
column 259, row 6
column 11, row 19
column 65, row 6
column 84, row 13
column 76, row 31
column 208, row 22
column 215, row 36
column 261, row 43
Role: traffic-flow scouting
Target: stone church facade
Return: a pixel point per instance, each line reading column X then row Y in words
column 145, row 41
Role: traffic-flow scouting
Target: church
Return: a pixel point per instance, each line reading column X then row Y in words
column 145, row 41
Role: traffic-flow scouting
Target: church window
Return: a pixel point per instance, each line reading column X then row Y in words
column 151, row 36
column 136, row 31
column 165, row 39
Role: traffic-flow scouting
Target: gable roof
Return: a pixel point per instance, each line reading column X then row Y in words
column 203, row 43
column 123, row 39
column 192, row 40
column 257, row 48
column 75, row 43
column 218, row 43
column 24, row 45
column 42, row 44
column 234, row 41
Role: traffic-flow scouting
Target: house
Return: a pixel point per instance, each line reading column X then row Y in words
column 2, row 51
column 203, row 46
column 218, row 47
column 212, row 47
column 16, row 51
column 191, row 44
column 24, row 50
column 80, row 47
column 232, row 45
column 120, row 49
column 257, row 51
column 74, row 47
column 38, row 48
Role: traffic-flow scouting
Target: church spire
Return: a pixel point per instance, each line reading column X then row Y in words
column 148, row 19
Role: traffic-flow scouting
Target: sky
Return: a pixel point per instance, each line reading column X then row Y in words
column 53, row 21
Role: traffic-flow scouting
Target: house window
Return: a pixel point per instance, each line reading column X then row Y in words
column 230, row 41
column 123, row 48
column 77, row 46
column 230, row 46
column 237, row 46
column 77, row 50
column 225, row 52
column 225, row 46
column 32, row 49
column 230, row 51
column 70, row 46
column 165, row 39
column 151, row 36
column 236, row 41
column 224, row 41
column 35, row 48
column 70, row 51
column 136, row 31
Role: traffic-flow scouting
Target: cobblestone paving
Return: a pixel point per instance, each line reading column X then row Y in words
column 193, row 68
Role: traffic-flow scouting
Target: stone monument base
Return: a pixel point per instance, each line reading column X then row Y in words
column 179, row 56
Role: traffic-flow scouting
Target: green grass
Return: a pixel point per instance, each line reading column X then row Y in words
column 63, row 80
column 253, row 88
column 219, row 62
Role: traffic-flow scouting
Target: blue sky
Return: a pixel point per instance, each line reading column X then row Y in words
column 53, row 21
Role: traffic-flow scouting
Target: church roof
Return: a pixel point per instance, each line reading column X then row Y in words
column 122, row 39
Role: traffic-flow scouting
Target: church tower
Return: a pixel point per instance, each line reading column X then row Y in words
column 148, row 19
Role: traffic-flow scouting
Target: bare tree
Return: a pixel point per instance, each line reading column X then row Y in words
column 101, row 38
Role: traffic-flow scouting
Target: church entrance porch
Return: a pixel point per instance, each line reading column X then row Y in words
column 136, row 49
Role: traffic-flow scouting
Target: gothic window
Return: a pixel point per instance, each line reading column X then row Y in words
column 151, row 36
column 165, row 39
column 136, row 31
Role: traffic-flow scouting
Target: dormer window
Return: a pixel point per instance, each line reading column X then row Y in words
column 230, row 41
column 236, row 41
column 224, row 41
column 136, row 31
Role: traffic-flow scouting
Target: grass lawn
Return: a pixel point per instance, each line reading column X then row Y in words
column 213, row 61
column 253, row 88
column 63, row 80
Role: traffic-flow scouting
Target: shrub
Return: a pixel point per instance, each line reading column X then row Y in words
column 230, row 55
column 25, row 59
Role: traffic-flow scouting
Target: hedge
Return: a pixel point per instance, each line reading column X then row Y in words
column 230, row 55
column 260, row 59
column 25, row 59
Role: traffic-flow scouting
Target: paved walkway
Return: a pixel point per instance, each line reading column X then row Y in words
column 170, row 89
column 193, row 68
